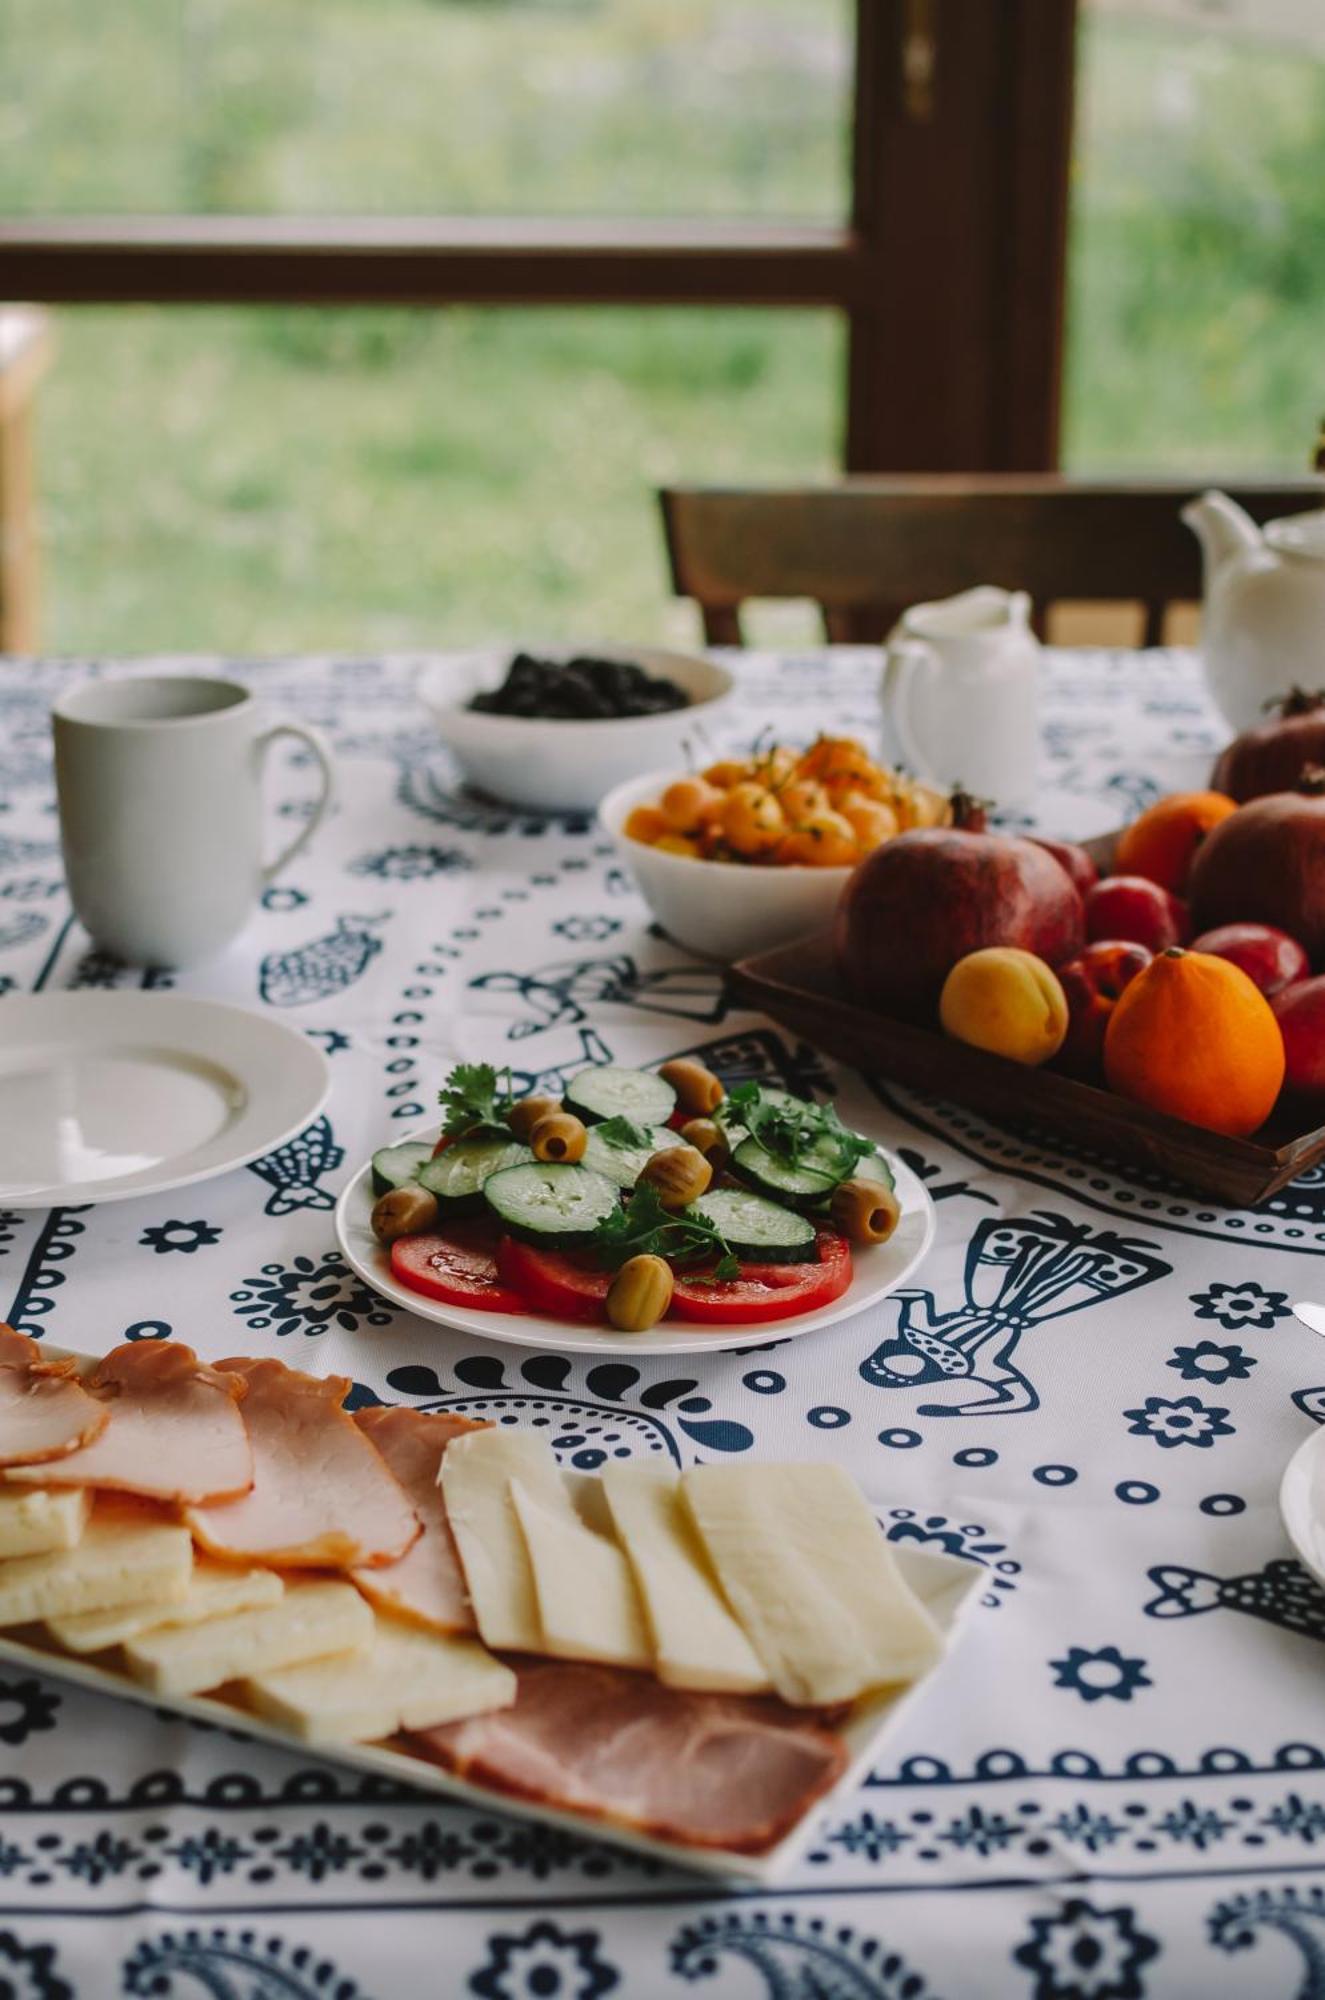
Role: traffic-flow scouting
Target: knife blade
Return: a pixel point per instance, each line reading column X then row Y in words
column 1310, row 1315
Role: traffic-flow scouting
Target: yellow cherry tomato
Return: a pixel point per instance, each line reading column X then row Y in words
column 644, row 823
column 824, row 840
column 728, row 771
column 752, row 820
column 688, row 803
column 871, row 821
column 836, row 757
column 800, row 797
column 677, row 843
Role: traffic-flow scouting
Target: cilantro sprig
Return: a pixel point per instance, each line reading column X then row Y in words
column 624, row 1134
column 643, row 1227
column 475, row 1100
column 793, row 1130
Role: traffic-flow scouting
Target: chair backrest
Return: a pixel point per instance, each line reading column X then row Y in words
column 867, row 548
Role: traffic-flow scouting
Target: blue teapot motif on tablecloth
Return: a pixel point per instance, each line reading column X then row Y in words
column 1018, row 1274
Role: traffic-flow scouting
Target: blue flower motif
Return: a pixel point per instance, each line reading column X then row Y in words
column 587, row 930
column 334, row 1043
column 1236, row 1306
column 185, row 1236
column 544, row 1960
column 28, row 1971
column 1185, row 1420
column 278, row 899
column 412, row 864
column 25, row 1706
column 1086, row 1954
column 308, row 1298
column 1103, row 1674
column 1207, row 1362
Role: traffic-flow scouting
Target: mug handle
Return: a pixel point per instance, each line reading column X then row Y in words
column 903, row 659
column 321, row 750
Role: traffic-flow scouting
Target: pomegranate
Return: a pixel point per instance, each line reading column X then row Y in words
column 1273, row 756
column 1265, row 864
column 927, row 898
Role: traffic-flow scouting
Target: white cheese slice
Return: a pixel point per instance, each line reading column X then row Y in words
column 697, row 1642
column 119, row 1560
column 312, row 1618
column 405, row 1678
column 588, row 1605
column 215, row 1589
column 477, row 1470
column 811, row 1577
column 32, row 1522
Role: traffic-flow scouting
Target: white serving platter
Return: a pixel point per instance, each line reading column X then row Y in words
column 877, row 1271
column 104, row 1096
column 1302, row 1502
column 947, row 1585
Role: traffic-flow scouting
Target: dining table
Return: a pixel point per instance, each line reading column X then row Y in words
column 1114, row 1786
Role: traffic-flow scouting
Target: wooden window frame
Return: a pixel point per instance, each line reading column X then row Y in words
column 950, row 271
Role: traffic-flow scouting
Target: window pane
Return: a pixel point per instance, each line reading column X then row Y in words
column 575, row 106
column 1198, row 266
column 262, row 481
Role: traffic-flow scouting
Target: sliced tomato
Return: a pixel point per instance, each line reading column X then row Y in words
column 457, row 1266
column 767, row 1291
column 554, row 1281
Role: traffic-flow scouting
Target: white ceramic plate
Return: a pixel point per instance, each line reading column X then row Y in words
column 878, row 1271
column 1302, row 1502
column 108, row 1095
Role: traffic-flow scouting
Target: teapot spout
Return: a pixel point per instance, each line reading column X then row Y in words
column 1223, row 529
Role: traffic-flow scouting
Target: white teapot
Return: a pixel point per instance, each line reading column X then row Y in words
column 1263, row 623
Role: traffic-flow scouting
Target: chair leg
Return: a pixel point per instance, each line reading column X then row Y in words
column 18, row 534
column 1153, row 635
column 722, row 625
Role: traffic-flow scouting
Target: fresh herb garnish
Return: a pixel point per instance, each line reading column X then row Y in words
column 645, row 1228
column 475, row 1100
column 624, row 1134
column 793, row 1130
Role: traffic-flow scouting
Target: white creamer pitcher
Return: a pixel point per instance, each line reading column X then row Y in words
column 960, row 693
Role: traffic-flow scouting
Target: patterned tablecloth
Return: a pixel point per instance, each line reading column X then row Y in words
column 1117, row 1786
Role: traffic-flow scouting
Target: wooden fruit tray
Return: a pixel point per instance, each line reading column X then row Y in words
column 798, row 986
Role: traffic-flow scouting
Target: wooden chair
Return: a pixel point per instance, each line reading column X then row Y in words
column 25, row 350
column 866, row 549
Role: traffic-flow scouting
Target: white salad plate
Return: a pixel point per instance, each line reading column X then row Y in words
column 877, row 1271
column 1302, row 1502
column 108, row 1095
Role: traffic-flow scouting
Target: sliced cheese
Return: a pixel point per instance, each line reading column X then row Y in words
column 34, row 1522
column 312, row 1618
column 588, row 1605
column 476, row 1474
column 697, row 1642
column 119, row 1560
column 214, row 1591
column 404, row 1678
column 811, row 1577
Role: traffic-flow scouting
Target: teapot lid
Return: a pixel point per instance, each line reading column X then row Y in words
column 1299, row 535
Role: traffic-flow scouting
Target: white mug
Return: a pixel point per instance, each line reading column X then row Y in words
column 960, row 693
column 159, row 780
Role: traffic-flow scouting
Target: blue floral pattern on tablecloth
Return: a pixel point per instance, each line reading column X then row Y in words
column 1116, row 1790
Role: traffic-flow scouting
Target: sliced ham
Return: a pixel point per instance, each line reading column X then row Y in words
column 44, row 1409
column 426, row 1584
column 174, row 1431
column 731, row 1771
column 322, row 1495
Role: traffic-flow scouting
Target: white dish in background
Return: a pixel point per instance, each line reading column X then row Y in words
column 1302, row 1502
column 877, row 1272
column 720, row 909
column 555, row 766
column 108, row 1095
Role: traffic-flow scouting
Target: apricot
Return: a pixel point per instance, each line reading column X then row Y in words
column 644, row 823
column 1007, row 1001
column 689, row 803
column 1161, row 844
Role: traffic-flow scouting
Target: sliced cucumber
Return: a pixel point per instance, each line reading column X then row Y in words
column 457, row 1176
column 758, row 1230
column 558, row 1205
column 767, row 1174
column 397, row 1166
column 625, row 1164
column 608, row 1092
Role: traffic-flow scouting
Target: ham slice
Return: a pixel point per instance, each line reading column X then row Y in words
column 44, row 1409
column 174, row 1431
column 321, row 1496
column 731, row 1771
column 426, row 1584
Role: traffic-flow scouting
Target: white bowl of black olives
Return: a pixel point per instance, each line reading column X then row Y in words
column 553, row 729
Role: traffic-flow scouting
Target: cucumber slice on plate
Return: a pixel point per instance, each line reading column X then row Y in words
column 560, row 1205
column 625, row 1163
column 768, row 1174
column 609, row 1092
column 457, row 1176
column 397, row 1166
column 757, row 1230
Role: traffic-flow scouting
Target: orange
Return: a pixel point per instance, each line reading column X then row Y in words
column 1161, row 844
column 1191, row 1035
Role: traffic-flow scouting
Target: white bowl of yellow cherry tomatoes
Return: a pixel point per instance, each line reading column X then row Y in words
column 754, row 851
